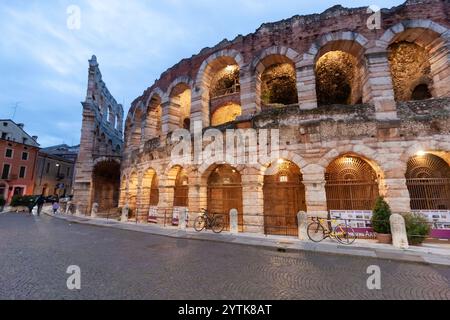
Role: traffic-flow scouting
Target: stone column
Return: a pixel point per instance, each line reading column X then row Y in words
column 306, row 86
column 165, row 206
column 170, row 118
column 378, row 88
column 316, row 197
column 302, row 218
column 253, row 201
column 234, row 223
column 398, row 230
column 250, row 102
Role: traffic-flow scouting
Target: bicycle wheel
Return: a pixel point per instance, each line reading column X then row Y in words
column 199, row 224
column 316, row 232
column 218, row 224
column 345, row 234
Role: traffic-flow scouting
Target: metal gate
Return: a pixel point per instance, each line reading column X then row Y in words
column 429, row 194
column 225, row 193
column 351, row 195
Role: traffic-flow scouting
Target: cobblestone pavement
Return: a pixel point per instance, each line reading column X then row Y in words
column 116, row 264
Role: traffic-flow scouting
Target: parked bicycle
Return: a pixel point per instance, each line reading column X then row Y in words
column 209, row 221
column 321, row 229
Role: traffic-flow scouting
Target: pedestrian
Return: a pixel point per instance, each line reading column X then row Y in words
column 31, row 205
column 55, row 207
column 40, row 203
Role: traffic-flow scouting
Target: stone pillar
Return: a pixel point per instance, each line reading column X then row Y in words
column 165, row 206
column 250, row 101
column 199, row 108
column 234, row 224
column 316, row 197
column 393, row 187
column 170, row 118
column 302, row 218
column 94, row 210
column 398, row 230
column 253, row 201
column 306, row 86
column 378, row 88
column 125, row 212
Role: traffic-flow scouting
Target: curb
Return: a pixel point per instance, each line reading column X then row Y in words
column 285, row 245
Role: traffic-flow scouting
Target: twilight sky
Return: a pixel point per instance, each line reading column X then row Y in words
column 43, row 63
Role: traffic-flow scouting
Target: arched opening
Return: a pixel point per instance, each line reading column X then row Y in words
column 340, row 73
column 153, row 122
column 225, row 193
column 428, row 181
column 351, row 184
column 419, row 62
column 225, row 79
column 181, row 190
column 133, row 184
column 106, row 185
column 154, row 192
column 278, row 81
column 411, row 71
column 225, row 114
column 149, row 181
column 180, row 99
column 284, row 197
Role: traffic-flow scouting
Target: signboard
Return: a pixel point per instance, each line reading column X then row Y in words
column 176, row 215
column 360, row 221
column 440, row 220
column 153, row 215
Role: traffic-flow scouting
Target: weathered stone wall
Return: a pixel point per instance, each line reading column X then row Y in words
column 101, row 136
column 374, row 127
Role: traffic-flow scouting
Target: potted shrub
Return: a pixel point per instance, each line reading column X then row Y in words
column 417, row 228
column 380, row 221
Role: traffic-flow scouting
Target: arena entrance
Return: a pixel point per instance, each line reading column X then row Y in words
column 351, row 184
column 106, row 185
column 284, row 197
column 428, row 181
column 225, row 193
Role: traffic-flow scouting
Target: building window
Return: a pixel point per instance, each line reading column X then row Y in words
column 25, row 156
column 9, row 153
column 4, row 135
column 24, row 140
column 5, row 172
column 22, row 172
column 68, row 172
column 47, row 170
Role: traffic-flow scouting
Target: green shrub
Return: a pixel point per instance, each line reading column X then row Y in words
column 381, row 215
column 22, row 201
column 417, row 228
column 2, row 202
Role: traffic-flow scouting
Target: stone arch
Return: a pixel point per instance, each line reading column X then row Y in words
column 276, row 80
column 212, row 65
column 428, row 182
column 338, row 58
column 177, row 113
column 427, row 40
column 106, row 184
column 352, row 183
column 153, row 115
column 224, row 191
column 284, row 196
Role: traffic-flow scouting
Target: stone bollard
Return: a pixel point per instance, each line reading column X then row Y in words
column 125, row 212
column 182, row 219
column 234, row 224
column 302, row 218
column 398, row 230
column 94, row 210
column 69, row 207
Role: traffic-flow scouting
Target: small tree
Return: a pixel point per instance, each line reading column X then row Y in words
column 381, row 215
column 2, row 202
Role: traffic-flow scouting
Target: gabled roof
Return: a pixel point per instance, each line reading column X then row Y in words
column 23, row 133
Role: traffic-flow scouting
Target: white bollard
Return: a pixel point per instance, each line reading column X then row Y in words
column 234, row 223
column 302, row 218
column 125, row 212
column 398, row 230
column 94, row 210
column 182, row 219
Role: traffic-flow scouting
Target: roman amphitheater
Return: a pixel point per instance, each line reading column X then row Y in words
column 362, row 109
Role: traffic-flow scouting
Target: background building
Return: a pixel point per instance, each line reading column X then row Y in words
column 55, row 170
column 18, row 157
